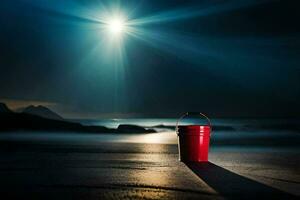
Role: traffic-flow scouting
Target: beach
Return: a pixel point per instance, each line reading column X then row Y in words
column 45, row 169
column 144, row 99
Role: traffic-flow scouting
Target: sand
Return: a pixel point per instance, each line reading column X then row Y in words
column 144, row 171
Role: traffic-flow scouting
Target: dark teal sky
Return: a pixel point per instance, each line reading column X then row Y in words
column 229, row 60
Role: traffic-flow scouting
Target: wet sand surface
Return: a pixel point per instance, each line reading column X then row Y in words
column 143, row 171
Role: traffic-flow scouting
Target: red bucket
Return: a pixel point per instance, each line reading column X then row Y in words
column 193, row 140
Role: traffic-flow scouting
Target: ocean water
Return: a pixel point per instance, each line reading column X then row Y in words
column 148, row 122
column 237, row 138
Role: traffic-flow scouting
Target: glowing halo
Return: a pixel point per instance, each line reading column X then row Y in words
column 116, row 26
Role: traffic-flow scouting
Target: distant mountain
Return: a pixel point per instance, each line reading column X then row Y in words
column 10, row 121
column 4, row 108
column 42, row 112
column 40, row 118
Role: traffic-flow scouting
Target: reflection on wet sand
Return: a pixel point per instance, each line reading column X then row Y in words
column 155, row 138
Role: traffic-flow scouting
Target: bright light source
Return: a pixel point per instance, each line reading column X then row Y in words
column 116, row 26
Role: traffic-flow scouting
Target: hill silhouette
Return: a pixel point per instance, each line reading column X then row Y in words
column 11, row 121
column 4, row 108
column 42, row 112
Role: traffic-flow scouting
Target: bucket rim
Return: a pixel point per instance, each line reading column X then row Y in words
column 194, row 126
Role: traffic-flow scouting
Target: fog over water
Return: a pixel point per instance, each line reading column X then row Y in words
column 236, row 139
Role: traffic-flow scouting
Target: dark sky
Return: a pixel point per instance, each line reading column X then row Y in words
column 231, row 59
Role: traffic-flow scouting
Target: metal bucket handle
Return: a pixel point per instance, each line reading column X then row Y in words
column 191, row 113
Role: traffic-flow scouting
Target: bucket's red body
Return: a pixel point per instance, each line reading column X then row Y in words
column 193, row 143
